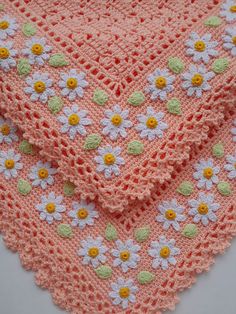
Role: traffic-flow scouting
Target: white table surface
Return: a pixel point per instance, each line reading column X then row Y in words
column 214, row 292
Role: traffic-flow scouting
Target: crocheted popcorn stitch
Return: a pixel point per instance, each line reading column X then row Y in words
column 119, row 73
column 95, row 262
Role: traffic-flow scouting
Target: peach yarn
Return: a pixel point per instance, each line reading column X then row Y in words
column 118, row 45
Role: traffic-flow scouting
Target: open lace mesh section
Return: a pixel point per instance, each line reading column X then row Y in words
column 76, row 287
column 118, row 61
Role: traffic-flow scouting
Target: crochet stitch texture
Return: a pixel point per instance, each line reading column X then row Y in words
column 117, row 146
column 118, row 60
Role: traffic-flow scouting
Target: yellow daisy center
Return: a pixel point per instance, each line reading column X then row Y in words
column 37, row 49
column 151, row 123
column 233, row 9
column 109, row 159
column 9, row 163
column 50, row 208
column 116, row 120
column 72, row 83
column 73, row 119
column 165, row 252
column 43, row 173
column 160, row 82
column 5, row 129
column 202, row 209
column 124, row 256
column 234, row 40
column 170, row 214
column 82, row 213
column 197, row 80
column 200, row 45
column 39, row 87
column 93, row 252
column 124, row 292
column 208, row 173
column 4, row 53
column 4, row 25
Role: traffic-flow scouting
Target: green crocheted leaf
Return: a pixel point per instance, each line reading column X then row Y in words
column 104, row 272
column 213, row 21
column 135, row 148
column 92, row 141
column 185, row 188
column 55, row 104
column 224, row 188
column 176, row 65
column 190, row 231
column 100, row 97
column 110, row 232
column 218, row 150
column 58, row 60
column 24, row 187
column 142, row 234
column 69, row 188
column 26, row 148
column 1, row 7
column 145, row 277
column 64, row 230
column 136, row 99
column 220, row 65
column 23, row 67
column 29, row 29
column 174, row 106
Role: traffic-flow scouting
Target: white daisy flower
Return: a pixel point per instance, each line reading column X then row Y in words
column 83, row 214
column 126, row 255
column 163, row 252
column 201, row 48
column 171, row 214
column 74, row 121
column 8, row 27
column 231, row 166
column 72, row 84
column 37, row 50
column 10, row 163
column 203, row 208
column 42, row 174
column 233, row 131
column 206, row 173
column 93, row 251
column 7, row 131
column 228, row 10
column 160, row 84
column 39, row 86
column 151, row 125
column 116, row 122
column 50, row 207
column 7, row 55
column 196, row 80
column 109, row 161
column 123, row 292
column 230, row 40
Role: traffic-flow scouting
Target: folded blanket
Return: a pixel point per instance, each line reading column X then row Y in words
column 117, row 146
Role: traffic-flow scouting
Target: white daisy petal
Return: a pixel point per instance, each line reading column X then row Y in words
column 123, row 292
column 10, row 163
column 163, row 252
column 72, row 84
column 151, row 125
column 206, row 174
column 109, row 160
column 203, row 209
column 74, row 121
column 42, row 174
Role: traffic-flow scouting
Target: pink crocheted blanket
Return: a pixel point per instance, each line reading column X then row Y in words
column 117, row 146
